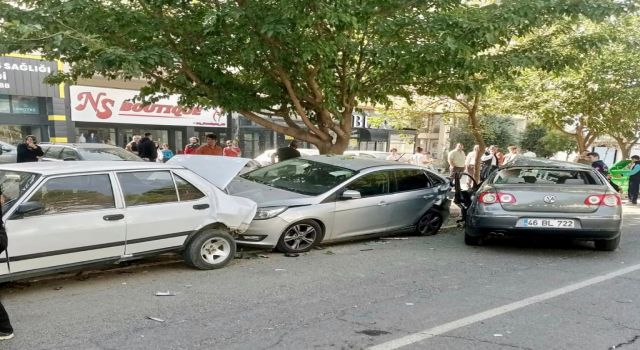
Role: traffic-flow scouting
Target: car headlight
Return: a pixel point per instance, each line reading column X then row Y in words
column 268, row 212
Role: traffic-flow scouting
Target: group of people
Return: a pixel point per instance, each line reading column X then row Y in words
column 151, row 151
column 490, row 159
column 421, row 157
column 634, row 174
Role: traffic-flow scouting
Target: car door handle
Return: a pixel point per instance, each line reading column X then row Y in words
column 200, row 206
column 115, row 217
column 382, row 204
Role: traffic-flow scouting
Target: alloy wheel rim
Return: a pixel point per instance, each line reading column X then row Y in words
column 430, row 223
column 215, row 250
column 300, row 237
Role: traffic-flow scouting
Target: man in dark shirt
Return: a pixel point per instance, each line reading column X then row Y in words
column 29, row 151
column 285, row 153
column 147, row 148
column 597, row 164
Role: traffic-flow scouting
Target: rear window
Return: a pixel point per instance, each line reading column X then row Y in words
column 538, row 176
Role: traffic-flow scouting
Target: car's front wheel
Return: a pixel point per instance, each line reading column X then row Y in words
column 429, row 224
column 300, row 237
column 210, row 249
column 608, row 245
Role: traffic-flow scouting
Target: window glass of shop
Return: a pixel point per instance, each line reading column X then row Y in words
column 19, row 104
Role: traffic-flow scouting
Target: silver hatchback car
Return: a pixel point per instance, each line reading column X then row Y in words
column 305, row 201
column 533, row 196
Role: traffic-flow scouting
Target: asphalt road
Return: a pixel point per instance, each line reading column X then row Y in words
column 350, row 296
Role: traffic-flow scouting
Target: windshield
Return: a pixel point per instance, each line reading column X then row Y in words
column 106, row 154
column 301, row 176
column 540, row 176
column 13, row 185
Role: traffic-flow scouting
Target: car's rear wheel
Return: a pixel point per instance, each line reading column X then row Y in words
column 429, row 224
column 608, row 245
column 472, row 238
column 300, row 237
column 210, row 249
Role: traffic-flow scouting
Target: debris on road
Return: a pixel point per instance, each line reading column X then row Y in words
column 394, row 238
column 497, row 335
column 292, row 255
column 329, row 252
column 318, row 247
column 409, row 304
column 165, row 294
column 366, row 250
column 373, row 332
column 57, row 288
column 624, row 301
column 155, row 319
column 280, row 270
column 263, row 256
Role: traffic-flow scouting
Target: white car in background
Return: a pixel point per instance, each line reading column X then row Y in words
column 265, row 158
column 64, row 215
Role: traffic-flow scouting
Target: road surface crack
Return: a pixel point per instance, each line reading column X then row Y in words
column 629, row 342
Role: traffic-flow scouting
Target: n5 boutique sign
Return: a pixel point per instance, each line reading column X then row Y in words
column 23, row 75
column 102, row 105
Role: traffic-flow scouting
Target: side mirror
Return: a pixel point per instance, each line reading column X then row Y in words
column 351, row 194
column 28, row 208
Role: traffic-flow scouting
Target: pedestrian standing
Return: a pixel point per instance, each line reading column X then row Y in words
column 232, row 149
column 147, row 149
column 456, row 160
column 167, row 153
column 29, row 151
column 6, row 330
column 470, row 161
column 133, row 145
column 394, row 156
column 634, row 180
column 489, row 162
column 192, row 147
column 211, row 148
column 500, row 156
column 285, row 153
column 512, row 155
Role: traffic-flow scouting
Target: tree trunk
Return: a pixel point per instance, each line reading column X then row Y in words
column 625, row 147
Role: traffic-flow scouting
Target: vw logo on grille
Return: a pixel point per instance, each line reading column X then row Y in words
column 549, row 199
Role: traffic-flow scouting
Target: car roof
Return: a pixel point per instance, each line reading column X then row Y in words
column 59, row 168
column 355, row 163
column 78, row 145
column 545, row 163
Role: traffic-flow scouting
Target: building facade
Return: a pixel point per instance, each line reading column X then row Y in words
column 28, row 106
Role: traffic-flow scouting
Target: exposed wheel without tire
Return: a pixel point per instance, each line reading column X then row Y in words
column 210, row 249
column 429, row 224
column 608, row 245
column 300, row 237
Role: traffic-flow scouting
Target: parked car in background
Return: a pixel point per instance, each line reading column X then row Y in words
column 532, row 196
column 265, row 158
column 63, row 215
column 85, row 152
column 308, row 200
column 8, row 153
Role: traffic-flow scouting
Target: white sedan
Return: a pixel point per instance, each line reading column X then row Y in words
column 62, row 215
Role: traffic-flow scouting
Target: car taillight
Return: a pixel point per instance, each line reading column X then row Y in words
column 492, row 198
column 610, row 200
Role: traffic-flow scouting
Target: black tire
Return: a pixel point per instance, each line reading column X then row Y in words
column 608, row 245
column 471, row 237
column 210, row 249
column 429, row 224
column 300, row 237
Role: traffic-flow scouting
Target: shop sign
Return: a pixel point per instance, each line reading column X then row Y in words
column 23, row 75
column 102, row 105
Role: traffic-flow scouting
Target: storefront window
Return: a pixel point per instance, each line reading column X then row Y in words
column 96, row 135
column 159, row 136
column 15, row 134
column 5, row 104
column 25, row 105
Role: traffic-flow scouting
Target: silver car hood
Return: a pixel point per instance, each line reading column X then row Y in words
column 217, row 170
column 267, row 196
